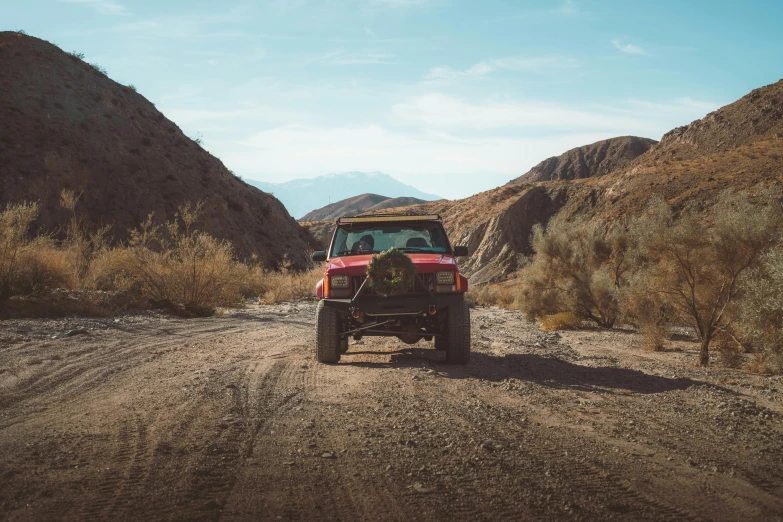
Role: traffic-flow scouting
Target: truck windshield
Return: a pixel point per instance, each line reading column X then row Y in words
column 367, row 239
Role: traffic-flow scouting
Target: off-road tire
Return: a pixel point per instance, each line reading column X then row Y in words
column 458, row 334
column 441, row 342
column 327, row 330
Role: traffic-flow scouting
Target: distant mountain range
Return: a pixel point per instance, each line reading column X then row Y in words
column 301, row 196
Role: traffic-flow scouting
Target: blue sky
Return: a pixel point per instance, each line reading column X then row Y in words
column 451, row 96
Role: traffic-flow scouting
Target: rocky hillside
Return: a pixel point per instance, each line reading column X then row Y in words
column 589, row 161
column 66, row 125
column 357, row 205
column 739, row 146
column 756, row 117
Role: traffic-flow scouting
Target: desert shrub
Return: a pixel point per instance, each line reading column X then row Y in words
column 43, row 266
column 577, row 268
column 560, row 321
column 174, row 266
column 647, row 310
column 80, row 245
column 695, row 268
column 285, row 284
column 28, row 266
column 132, row 87
column 760, row 311
column 730, row 353
column 77, row 55
column 98, row 68
column 492, row 295
column 15, row 222
column 653, row 336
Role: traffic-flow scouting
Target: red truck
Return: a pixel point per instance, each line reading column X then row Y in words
column 432, row 308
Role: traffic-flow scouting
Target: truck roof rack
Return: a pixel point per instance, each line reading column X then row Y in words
column 377, row 218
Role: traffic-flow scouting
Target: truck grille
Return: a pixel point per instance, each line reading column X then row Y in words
column 428, row 279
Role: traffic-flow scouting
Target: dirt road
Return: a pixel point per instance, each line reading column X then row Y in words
column 146, row 417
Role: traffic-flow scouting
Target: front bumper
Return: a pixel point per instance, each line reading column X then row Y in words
column 402, row 305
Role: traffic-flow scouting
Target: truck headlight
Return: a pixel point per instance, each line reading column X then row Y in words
column 339, row 281
column 445, row 278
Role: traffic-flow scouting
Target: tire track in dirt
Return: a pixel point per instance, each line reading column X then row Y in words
column 243, row 424
column 116, row 494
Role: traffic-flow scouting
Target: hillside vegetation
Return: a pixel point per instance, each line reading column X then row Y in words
column 67, row 126
column 739, row 147
column 174, row 266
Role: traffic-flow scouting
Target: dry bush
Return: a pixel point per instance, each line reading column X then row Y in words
column 174, row 266
column 15, row 221
column 43, row 266
column 492, row 295
column 648, row 311
column 695, row 268
column 560, row 321
column 653, row 336
column 577, row 268
column 80, row 245
column 765, row 363
column 760, row 311
column 729, row 351
column 28, row 266
column 287, row 284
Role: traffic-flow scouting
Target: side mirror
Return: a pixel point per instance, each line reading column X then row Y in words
column 319, row 255
column 460, row 251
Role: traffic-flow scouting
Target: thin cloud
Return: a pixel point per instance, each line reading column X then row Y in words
column 483, row 68
column 628, row 48
column 568, row 8
column 441, row 111
column 398, row 3
column 109, row 7
column 435, row 135
column 345, row 58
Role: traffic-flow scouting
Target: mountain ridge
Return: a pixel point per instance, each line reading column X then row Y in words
column 738, row 147
column 357, row 205
column 66, row 125
column 304, row 195
column 587, row 161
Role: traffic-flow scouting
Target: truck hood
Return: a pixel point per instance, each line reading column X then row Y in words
column 425, row 262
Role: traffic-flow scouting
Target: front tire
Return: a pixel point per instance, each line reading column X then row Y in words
column 458, row 334
column 441, row 342
column 327, row 334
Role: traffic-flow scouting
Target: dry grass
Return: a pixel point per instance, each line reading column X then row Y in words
column 287, row 285
column 172, row 266
column 653, row 336
column 560, row 321
column 503, row 296
column 729, row 352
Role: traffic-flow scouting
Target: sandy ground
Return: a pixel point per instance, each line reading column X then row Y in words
column 147, row 417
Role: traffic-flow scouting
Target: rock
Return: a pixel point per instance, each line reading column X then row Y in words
column 489, row 445
column 78, row 331
column 212, row 504
column 417, row 487
column 328, row 455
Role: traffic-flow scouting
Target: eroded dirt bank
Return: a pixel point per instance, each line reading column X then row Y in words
column 230, row 417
